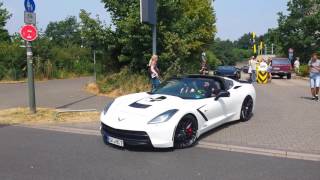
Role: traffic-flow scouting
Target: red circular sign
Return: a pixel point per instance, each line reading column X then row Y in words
column 29, row 33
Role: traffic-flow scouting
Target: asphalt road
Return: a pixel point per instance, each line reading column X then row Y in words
column 66, row 94
column 32, row 154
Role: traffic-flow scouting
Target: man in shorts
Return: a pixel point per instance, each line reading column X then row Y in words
column 314, row 70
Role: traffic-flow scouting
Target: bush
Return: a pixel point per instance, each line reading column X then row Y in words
column 304, row 70
column 124, row 82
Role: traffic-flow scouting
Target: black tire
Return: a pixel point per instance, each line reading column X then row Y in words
column 186, row 132
column 288, row 76
column 246, row 109
column 281, row 77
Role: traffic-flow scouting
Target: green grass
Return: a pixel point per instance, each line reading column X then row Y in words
column 123, row 83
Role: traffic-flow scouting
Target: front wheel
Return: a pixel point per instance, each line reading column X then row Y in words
column 186, row 132
column 246, row 109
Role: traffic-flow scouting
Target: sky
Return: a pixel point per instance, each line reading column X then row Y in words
column 234, row 17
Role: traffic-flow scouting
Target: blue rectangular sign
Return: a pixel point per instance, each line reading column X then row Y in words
column 30, row 6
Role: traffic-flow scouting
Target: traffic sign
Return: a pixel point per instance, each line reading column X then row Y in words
column 29, row 18
column 29, row 5
column 29, row 33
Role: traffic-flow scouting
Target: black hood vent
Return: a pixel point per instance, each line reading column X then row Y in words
column 158, row 99
column 138, row 105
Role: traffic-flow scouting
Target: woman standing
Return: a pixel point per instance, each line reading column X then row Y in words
column 154, row 72
column 314, row 69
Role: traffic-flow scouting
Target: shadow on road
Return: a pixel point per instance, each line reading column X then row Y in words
column 75, row 102
column 307, row 98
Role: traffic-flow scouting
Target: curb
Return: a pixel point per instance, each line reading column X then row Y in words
column 64, row 129
column 260, row 151
column 201, row 144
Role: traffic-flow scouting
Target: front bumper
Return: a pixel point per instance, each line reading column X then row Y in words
column 130, row 138
column 279, row 73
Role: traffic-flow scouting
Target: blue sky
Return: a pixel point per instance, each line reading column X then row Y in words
column 234, row 17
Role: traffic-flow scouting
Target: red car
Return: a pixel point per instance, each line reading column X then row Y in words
column 281, row 67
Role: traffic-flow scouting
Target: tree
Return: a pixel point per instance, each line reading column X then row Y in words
column 300, row 29
column 184, row 29
column 64, row 33
column 244, row 41
column 4, row 17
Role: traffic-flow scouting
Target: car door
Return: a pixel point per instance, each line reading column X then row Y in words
column 214, row 111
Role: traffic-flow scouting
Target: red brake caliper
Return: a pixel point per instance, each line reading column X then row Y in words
column 189, row 129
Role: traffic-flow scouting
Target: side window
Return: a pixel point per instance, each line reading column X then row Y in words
column 229, row 84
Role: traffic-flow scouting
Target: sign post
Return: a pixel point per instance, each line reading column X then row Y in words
column 148, row 14
column 29, row 33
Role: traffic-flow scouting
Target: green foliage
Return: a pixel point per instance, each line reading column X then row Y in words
column 180, row 37
column 4, row 17
column 304, row 70
column 243, row 42
column 64, row 33
column 300, row 29
column 12, row 61
column 228, row 53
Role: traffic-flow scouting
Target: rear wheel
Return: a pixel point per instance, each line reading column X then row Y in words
column 288, row 76
column 186, row 132
column 246, row 109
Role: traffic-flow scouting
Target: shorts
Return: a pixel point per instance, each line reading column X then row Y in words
column 314, row 80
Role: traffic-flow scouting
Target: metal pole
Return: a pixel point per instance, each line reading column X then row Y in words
column 94, row 66
column 272, row 48
column 154, row 39
column 31, row 89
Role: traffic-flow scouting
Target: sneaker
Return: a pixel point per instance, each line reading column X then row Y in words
column 313, row 98
column 317, row 98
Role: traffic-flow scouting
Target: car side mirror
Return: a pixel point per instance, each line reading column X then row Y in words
column 221, row 94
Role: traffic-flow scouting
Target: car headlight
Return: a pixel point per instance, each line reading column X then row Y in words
column 163, row 117
column 106, row 108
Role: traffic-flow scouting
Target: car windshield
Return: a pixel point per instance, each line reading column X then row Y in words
column 280, row 62
column 188, row 88
column 229, row 68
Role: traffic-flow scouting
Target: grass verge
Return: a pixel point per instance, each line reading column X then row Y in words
column 119, row 84
column 44, row 116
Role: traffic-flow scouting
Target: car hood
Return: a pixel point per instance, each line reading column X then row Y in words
column 132, row 110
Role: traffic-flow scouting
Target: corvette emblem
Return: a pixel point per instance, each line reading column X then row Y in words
column 121, row 119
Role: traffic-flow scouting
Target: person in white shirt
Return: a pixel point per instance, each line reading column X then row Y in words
column 297, row 65
column 314, row 69
column 253, row 66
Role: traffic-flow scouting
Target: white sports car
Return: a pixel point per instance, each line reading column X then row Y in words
column 176, row 113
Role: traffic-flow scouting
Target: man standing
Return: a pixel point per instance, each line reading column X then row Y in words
column 253, row 65
column 314, row 69
column 297, row 65
column 204, row 64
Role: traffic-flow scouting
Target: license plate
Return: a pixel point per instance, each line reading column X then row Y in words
column 276, row 68
column 115, row 141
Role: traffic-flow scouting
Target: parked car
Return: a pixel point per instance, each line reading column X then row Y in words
column 228, row 71
column 177, row 113
column 281, row 67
